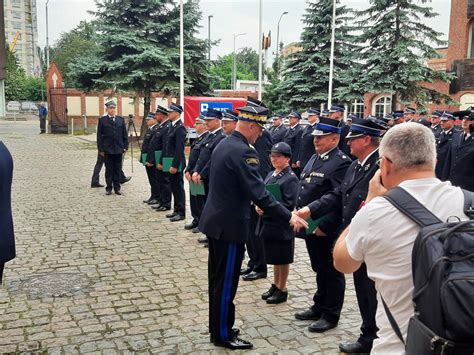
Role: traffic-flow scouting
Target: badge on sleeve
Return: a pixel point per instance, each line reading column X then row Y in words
column 252, row 161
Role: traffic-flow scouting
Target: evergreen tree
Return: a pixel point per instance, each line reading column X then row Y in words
column 306, row 73
column 397, row 47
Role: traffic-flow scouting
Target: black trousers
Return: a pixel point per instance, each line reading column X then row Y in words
column 225, row 260
column 165, row 189
column 331, row 284
column 152, row 174
column 177, row 189
column 98, row 167
column 197, row 205
column 2, row 265
column 113, row 167
column 42, row 124
column 367, row 300
column 254, row 245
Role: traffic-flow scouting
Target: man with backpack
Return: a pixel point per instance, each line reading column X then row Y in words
column 384, row 237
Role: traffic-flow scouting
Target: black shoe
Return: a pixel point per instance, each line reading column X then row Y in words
column 108, row 193
column 196, row 230
column 146, row 201
column 309, row 314
column 320, row 326
column 278, row 296
column 153, row 202
column 246, row 271
column 254, row 275
column 97, row 185
column 117, row 192
column 191, row 225
column 235, row 343
column 355, row 348
column 234, row 333
column 177, row 218
column 206, row 245
column 171, row 215
column 162, row 208
column 127, row 179
column 269, row 293
column 203, row 240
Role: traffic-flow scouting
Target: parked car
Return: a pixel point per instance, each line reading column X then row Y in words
column 13, row 106
column 28, row 106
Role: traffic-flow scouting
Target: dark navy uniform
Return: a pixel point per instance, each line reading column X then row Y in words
column 278, row 133
column 307, row 145
column 459, row 167
column 113, row 141
column 196, row 202
column 174, row 148
column 203, row 163
column 7, row 237
column 151, row 171
column 323, row 175
column 293, row 139
column 443, row 148
column 157, row 142
column 436, row 131
column 343, row 146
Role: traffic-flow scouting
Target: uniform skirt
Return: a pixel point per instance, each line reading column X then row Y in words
column 279, row 252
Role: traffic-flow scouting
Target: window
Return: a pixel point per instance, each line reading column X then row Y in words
column 470, row 49
column 16, row 25
column 16, row 15
column 16, row 3
column 381, row 105
column 357, row 108
column 466, row 100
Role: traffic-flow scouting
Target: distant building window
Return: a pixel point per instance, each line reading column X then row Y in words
column 16, row 3
column 16, row 14
column 16, row 25
column 381, row 105
column 470, row 50
column 357, row 108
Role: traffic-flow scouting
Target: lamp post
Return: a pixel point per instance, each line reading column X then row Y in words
column 181, row 53
column 47, row 36
column 209, row 36
column 260, row 58
column 234, row 67
column 331, row 58
column 278, row 39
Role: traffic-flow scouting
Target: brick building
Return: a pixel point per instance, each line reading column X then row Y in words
column 458, row 58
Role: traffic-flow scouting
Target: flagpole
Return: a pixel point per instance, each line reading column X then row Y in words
column 260, row 59
column 331, row 58
column 181, row 54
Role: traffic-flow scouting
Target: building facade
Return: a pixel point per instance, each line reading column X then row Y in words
column 21, row 24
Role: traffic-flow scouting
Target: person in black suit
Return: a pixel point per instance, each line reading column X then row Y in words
column 307, row 145
column 444, row 143
column 174, row 148
column 459, row 168
column 157, row 144
column 336, row 112
column 293, row 139
column 277, row 236
column 234, row 183
column 278, row 129
column 435, row 124
column 257, row 266
column 7, row 236
column 112, row 142
column 196, row 202
column 151, row 171
column 364, row 140
column 201, row 171
column 322, row 175
column 229, row 121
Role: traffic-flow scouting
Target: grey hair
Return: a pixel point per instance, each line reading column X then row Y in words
column 409, row 145
column 375, row 141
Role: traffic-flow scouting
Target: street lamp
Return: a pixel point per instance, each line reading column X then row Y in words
column 278, row 39
column 209, row 36
column 234, row 67
column 331, row 58
column 47, row 37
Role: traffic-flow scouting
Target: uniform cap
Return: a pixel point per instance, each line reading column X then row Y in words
column 397, row 114
column 446, row 115
column 229, row 115
column 199, row 119
column 150, row 116
column 436, row 114
column 336, row 108
column 409, row 110
column 253, row 111
column 371, row 126
column 212, row 114
column 295, row 114
column 282, row 148
column 176, row 108
column 351, row 117
column 110, row 103
column 327, row 126
column 312, row 111
column 163, row 110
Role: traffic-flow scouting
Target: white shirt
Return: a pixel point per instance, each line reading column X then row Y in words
column 383, row 238
column 216, row 130
column 367, row 157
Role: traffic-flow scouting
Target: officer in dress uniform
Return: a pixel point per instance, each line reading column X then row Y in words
column 157, row 143
column 388, row 119
column 200, row 175
column 151, row 171
column 307, row 145
column 196, row 202
column 174, row 148
column 112, row 142
column 459, row 167
column 435, row 124
column 398, row 117
column 336, row 112
column 278, row 129
column 234, row 183
column 364, row 139
column 444, row 143
column 409, row 114
column 293, row 139
column 322, row 175
column 229, row 121
column 350, row 117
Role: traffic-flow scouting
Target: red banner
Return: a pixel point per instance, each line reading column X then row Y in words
column 194, row 105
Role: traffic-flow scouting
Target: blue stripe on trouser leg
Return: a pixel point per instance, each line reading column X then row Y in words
column 226, row 292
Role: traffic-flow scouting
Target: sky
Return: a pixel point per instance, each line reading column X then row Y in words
column 229, row 17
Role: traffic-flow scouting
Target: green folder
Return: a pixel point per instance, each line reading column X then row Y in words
column 167, row 162
column 144, row 156
column 157, row 157
column 197, row 189
column 275, row 190
column 313, row 224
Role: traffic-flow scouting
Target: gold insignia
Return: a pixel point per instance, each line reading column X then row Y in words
column 252, row 161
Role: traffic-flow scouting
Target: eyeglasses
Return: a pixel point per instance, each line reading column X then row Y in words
column 379, row 160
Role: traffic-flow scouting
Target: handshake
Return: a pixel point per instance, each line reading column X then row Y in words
column 297, row 220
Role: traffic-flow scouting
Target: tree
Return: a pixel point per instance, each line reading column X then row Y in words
column 271, row 95
column 306, row 73
column 246, row 68
column 397, row 47
column 138, row 49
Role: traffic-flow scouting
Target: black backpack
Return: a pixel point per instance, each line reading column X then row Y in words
column 443, row 278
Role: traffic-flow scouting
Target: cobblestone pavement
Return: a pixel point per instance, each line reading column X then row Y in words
column 105, row 274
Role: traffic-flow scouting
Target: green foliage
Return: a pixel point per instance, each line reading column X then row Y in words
column 246, row 65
